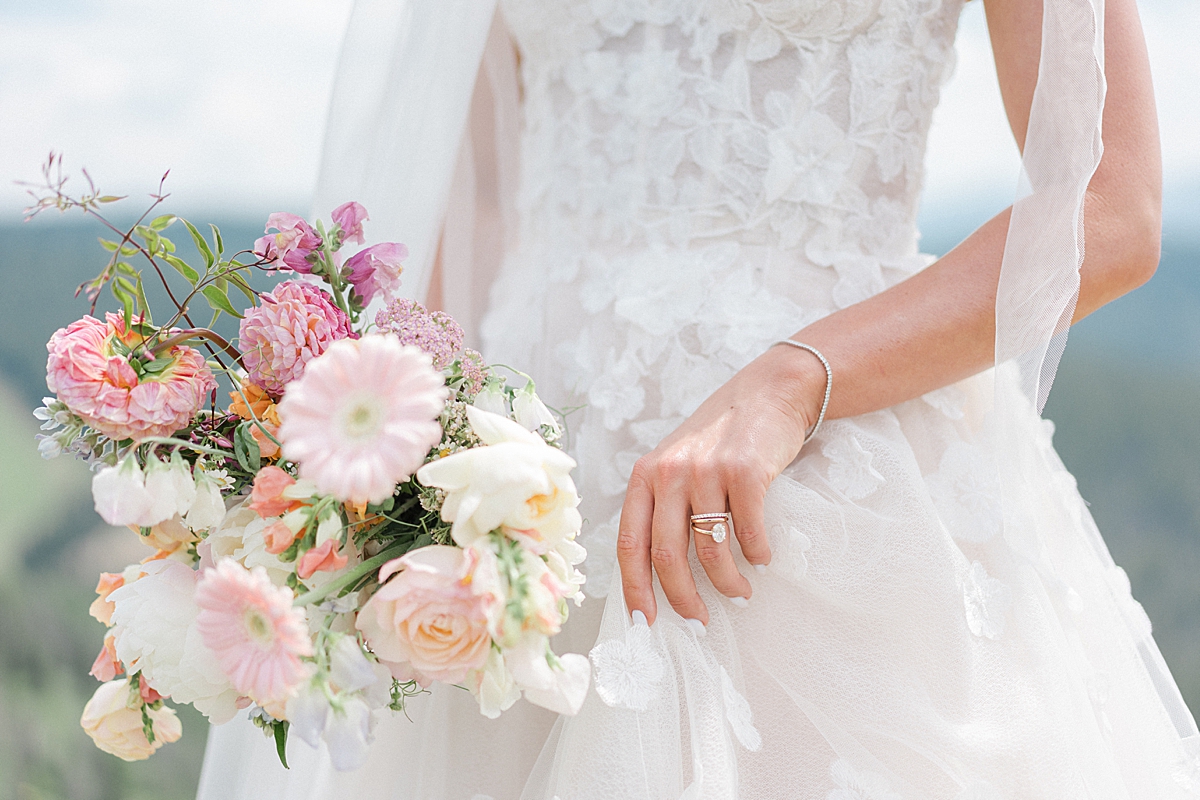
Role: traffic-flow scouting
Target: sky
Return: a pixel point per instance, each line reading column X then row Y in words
column 230, row 95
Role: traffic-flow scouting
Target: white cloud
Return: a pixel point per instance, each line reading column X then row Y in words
column 229, row 95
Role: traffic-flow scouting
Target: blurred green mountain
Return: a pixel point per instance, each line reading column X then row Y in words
column 1126, row 405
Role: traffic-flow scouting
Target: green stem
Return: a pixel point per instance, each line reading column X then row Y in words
column 350, row 578
column 199, row 448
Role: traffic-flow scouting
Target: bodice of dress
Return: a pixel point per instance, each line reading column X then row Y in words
column 797, row 124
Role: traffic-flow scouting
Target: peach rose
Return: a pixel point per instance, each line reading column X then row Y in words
column 114, row 721
column 427, row 623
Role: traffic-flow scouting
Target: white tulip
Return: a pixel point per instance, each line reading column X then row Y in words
column 515, row 481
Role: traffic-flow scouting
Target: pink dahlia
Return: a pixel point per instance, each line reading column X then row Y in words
column 295, row 323
column 251, row 627
column 291, row 246
column 99, row 384
column 362, row 418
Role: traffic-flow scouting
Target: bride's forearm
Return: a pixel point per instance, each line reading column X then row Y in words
column 938, row 326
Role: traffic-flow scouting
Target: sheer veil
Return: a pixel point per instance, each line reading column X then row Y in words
column 423, row 130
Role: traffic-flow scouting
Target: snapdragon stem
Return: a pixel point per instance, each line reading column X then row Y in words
column 190, row 445
column 350, row 578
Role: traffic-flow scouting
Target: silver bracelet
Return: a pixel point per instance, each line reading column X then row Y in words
column 828, row 382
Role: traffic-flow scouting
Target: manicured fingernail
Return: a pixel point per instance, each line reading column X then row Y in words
column 638, row 618
column 761, row 569
column 697, row 627
column 740, row 602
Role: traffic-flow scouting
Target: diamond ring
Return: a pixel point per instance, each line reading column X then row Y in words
column 721, row 525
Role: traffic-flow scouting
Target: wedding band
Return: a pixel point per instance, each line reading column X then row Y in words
column 722, row 525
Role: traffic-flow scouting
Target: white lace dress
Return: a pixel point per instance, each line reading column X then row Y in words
column 699, row 179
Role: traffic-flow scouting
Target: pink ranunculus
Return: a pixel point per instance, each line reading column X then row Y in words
column 291, row 246
column 97, row 383
column 295, row 323
column 323, row 558
column 427, row 622
column 376, row 269
column 350, row 218
column 251, row 627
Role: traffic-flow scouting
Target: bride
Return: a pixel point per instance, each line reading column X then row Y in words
column 848, row 565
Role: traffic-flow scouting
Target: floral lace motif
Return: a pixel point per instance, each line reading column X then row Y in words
column 987, row 602
column 627, row 671
column 856, row 784
column 737, row 712
column 850, row 470
column 966, row 491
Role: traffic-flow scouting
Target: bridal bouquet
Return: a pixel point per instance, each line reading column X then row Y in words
column 374, row 508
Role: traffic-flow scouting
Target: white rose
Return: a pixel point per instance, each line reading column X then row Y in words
column 515, row 481
column 154, row 625
column 240, row 537
column 114, row 721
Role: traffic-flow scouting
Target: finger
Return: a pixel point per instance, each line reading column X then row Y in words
column 669, row 555
column 716, row 557
column 746, row 505
column 633, row 547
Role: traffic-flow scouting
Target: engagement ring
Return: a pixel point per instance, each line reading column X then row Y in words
column 721, row 525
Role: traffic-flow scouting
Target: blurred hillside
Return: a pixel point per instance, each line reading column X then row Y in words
column 1126, row 406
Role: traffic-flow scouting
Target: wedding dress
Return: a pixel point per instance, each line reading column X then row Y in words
column 941, row 618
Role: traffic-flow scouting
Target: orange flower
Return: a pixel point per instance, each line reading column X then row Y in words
column 257, row 404
column 101, row 608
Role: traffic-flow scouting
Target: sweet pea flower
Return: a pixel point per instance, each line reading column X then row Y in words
column 493, row 686
column 114, row 721
column 350, row 218
column 267, row 496
column 559, row 683
column 531, row 413
column 516, row 482
column 375, row 269
column 323, row 558
column 427, row 623
column 291, row 246
column 107, row 666
column 102, row 607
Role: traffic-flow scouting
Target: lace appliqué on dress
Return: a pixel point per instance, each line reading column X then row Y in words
column 737, row 713
column 967, row 493
column 850, row 470
column 628, row 670
column 987, row 602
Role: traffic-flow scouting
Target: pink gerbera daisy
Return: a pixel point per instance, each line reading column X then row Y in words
column 254, row 631
column 362, row 417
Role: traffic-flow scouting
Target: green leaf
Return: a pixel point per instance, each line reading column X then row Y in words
column 109, row 246
column 424, row 540
column 183, row 269
column 123, row 290
column 219, row 302
column 216, row 232
column 157, row 365
column 281, row 734
column 246, row 449
column 109, row 198
column 143, row 303
column 163, row 222
column 201, row 245
column 240, row 282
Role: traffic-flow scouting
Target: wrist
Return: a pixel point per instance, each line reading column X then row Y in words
column 803, row 381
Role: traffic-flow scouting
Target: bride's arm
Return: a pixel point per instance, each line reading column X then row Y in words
column 928, row 331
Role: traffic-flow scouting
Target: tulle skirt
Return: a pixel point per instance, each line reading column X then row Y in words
column 929, row 627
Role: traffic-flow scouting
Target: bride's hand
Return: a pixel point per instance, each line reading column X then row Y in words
column 721, row 458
